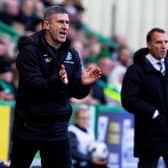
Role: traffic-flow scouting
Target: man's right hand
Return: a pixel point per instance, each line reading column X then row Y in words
column 63, row 75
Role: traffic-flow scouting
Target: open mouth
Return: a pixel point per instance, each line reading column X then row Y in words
column 63, row 33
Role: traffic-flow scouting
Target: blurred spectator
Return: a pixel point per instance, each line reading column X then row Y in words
column 78, row 18
column 79, row 46
column 78, row 36
column 7, row 89
column 26, row 13
column 19, row 26
column 69, row 6
column 120, row 39
column 81, row 136
column 94, row 51
column 116, row 77
column 95, row 48
column 106, row 64
column 124, row 56
column 6, row 47
column 124, row 59
column 76, row 10
column 9, row 11
column 39, row 9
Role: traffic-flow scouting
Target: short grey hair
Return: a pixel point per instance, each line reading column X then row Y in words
column 54, row 10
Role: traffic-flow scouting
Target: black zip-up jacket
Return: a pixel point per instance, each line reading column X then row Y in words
column 145, row 90
column 42, row 99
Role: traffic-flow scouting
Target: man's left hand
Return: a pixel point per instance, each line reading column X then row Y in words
column 90, row 74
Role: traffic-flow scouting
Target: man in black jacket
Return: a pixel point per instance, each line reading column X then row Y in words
column 49, row 74
column 145, row 94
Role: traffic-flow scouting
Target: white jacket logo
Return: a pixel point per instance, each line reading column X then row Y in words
column 69, row 58
column 47, row 59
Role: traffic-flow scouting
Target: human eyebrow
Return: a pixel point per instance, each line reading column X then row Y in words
column 63, row 21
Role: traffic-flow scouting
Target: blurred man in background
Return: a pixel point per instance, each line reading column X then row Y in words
column 81, row 136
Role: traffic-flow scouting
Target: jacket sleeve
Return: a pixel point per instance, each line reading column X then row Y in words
column 131, row 93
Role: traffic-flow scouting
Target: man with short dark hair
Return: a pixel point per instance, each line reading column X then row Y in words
column 49, row 74
column 145, row 94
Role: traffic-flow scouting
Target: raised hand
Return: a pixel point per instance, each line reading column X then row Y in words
column 63, row 75
column 90, row 74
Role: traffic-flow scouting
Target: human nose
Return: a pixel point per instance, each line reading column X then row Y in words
column 164, row 45
column 65, row 25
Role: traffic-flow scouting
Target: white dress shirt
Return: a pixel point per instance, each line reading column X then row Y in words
column 155, row 61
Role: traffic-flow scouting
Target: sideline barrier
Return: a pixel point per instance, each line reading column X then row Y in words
column 5, row 128
column 99, row 117
column 113, row 125
column 116, row 129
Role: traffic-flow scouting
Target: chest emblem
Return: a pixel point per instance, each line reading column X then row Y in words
column 47, row 58
column 68, row 58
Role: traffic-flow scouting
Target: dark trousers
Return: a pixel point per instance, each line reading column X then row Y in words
column 53, row 154
column 151, row 161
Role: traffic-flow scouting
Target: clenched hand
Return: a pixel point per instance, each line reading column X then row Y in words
column 63, row 75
